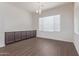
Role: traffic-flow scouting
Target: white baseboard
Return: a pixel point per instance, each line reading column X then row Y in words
column 2, row 46
column 55, row 39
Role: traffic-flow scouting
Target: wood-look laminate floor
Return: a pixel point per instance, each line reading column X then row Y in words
column 39, row 47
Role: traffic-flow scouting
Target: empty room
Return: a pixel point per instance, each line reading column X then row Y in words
column 39, row 29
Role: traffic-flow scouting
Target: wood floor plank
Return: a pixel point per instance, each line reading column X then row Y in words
column 39, row 47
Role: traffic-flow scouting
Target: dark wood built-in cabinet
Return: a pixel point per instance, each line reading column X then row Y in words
column 11, row 37
column 17, row 36
column 24, row 34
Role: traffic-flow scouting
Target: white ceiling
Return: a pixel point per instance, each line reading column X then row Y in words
column 33, row 6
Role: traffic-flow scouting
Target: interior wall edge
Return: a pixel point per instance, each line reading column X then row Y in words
column 76, row 48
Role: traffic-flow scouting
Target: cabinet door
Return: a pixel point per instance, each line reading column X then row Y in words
column 31, row 34
column 17, row 36
column 23, row 35
column 9, row 37
column 28, row 34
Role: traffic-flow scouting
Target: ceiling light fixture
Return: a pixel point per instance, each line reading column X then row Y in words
column 39, row 11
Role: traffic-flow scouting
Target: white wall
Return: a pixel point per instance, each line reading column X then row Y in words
column 16, row 19
column 2, row 43
column 76, row 28
column 13, row 19
column 67, row 23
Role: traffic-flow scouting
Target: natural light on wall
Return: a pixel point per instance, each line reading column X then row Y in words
column 49, row 23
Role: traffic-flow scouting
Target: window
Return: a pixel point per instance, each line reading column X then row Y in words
column 50, row 23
